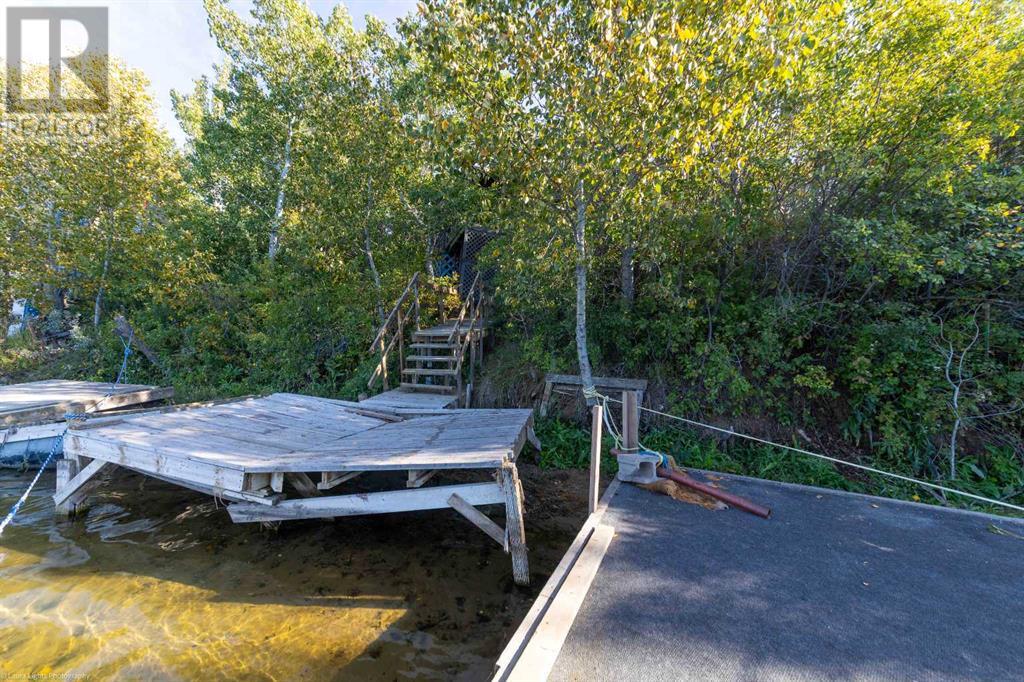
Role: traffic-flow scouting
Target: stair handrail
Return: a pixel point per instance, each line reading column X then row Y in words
column 471, row 299
column 465, row 343
column 411, row 295
column 401, row 299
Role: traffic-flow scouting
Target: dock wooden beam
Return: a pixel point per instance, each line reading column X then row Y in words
column 329, row 479
column 386, row 502
column 478, row 519
column 417, row 478
column 303, row 484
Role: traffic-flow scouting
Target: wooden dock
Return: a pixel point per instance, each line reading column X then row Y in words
column 32, row 414
column 280, row 457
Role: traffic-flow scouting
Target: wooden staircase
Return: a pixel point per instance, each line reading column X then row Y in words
column 442, row 357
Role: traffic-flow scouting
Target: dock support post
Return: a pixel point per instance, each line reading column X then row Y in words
column 67, row 469
column 74, row 483
column 514, row 526
column 595, row 457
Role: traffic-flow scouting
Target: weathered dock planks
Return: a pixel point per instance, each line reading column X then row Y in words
column 246, row 451
column 32, row 414
column 49, row 400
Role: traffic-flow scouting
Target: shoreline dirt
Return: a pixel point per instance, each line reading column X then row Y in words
column 154, row 580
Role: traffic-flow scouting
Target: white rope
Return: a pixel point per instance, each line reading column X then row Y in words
column 591, row 393
column 610, row 427
column 835, row 460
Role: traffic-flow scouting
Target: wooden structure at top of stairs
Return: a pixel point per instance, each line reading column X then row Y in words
column 438, row 359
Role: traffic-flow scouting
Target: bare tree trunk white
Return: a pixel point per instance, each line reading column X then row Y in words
column 429, row 264
column 368, row 250
column 286, row 165
column 956, row 383
column 626, row 271
column 580, row 235
column 55, row 292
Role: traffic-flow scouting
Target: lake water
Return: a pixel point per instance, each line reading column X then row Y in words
column 155, row 582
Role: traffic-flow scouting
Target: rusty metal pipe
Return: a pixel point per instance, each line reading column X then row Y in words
column 684, row 479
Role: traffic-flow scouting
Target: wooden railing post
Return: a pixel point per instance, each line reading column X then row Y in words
column 472, row 361
column 595, row 457
column 401, row 343
column 480, row 355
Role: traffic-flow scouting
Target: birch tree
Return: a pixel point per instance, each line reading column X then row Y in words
column 575, row 106
column 273, row 63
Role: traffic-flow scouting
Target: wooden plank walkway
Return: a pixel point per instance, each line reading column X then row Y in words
column 245, row 451
column 49, row 400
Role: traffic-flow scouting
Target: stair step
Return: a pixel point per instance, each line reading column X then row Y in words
column 428, row 388
column 430, row 337
column 431, row 358
column 430, row 372
column 429, row 346
column 427, row 334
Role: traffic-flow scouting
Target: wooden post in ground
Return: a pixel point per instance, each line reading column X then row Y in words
column 595, row 457
column 630, row 421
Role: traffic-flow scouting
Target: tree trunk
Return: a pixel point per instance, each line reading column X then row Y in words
column 580, row 234
column 98, row 306
column 368, row 250
column 286, row 165
column 626, row 267
column 55, row 292
column 429, row 264
column 125, row 331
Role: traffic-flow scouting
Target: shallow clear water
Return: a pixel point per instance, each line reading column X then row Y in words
column 155, row 582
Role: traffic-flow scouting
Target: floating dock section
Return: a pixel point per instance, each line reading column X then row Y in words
column 284, row 456
column 834, row 586
column 32, row 414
